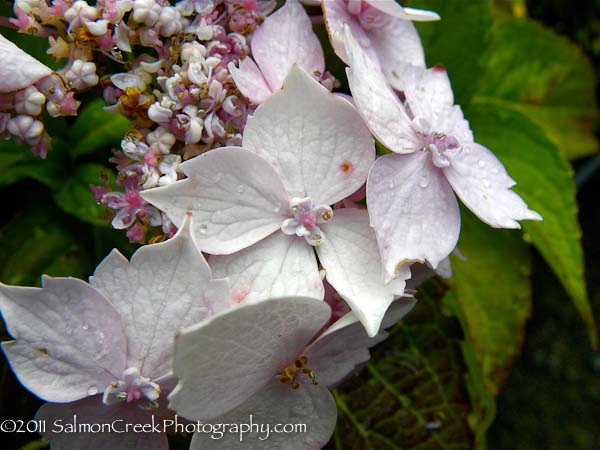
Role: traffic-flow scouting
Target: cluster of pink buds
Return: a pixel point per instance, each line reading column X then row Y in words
column 176, row 84
column 181, row 98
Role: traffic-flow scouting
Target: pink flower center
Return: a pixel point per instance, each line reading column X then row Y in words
column 309, row 220
column 133, row 394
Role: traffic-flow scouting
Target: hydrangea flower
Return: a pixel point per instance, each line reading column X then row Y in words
column 270, row 360
column 382, row 28
column 104, row 350
column 266, row 205
column 285, row 38
column 410, row 193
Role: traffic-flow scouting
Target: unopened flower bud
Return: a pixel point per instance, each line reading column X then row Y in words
column 161, row 139
column 146, row 11
column 29, row 101
column 169, row 21
column 81, row 74
column 25, row 128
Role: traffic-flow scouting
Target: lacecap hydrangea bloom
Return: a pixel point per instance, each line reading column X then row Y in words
column 103, row 351
column 267, row 204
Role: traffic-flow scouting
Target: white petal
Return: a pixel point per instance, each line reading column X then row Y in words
column 277, row 266
column 482, row 183
column 92, row 411
column 376, row 102
column 69, row 340
column 125, row 80
column 250, row 81
column 166, row 287
column 413, row 210
column 394, row 9
column 344, row 347
column 350, row 256
column 236, row 198
column 336, row 15
column 428, row 92
column 284, row 39
column 226, row 359
column 18, row 69
column 397, row 45
column 315, row 140
column 277, row 404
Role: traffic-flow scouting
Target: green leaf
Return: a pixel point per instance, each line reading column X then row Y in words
column 96, row 129
column 491, row 297
column 459, row 41
column 75, row 197
column 546, row 77
column 545, row 182
column 410, row 396
column 17, row 162
column 37, row 241
column 36, row 445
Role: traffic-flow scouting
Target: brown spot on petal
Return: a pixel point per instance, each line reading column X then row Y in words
column 42, row 351
column 346, row 167
column 407, row 261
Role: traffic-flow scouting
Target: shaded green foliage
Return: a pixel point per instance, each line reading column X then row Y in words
column 411, row 394
column 546, row 183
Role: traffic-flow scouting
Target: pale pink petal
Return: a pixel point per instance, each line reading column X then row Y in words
column 225, row 360
column 250, row 81
column 91, row 411
column 286, row 38
column 428, row 92
column 344, row 346
column 320, row 146
column 413, row 210
column 277, row 266
column 398, row 46
column 277, row 404
column 17, row 68
column 69, row 340
column 377, row 103
column 482, row 183
column 350, row 256
column 336, row 15
column 166, row 287
column 236, row 198
column 392, row 8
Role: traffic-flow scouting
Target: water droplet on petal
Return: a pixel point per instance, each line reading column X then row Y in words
column 92, row 390
column 481, row 163
column 276, row 209
column 240, row 188
column 390, row 184
column 85, row 327
column 99, row 338
column 423, row 182
column 203, row 228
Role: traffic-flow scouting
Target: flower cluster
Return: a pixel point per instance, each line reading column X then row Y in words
column 301, row 277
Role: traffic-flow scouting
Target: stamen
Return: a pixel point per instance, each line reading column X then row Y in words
column 290, row 375
column 305, row 219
